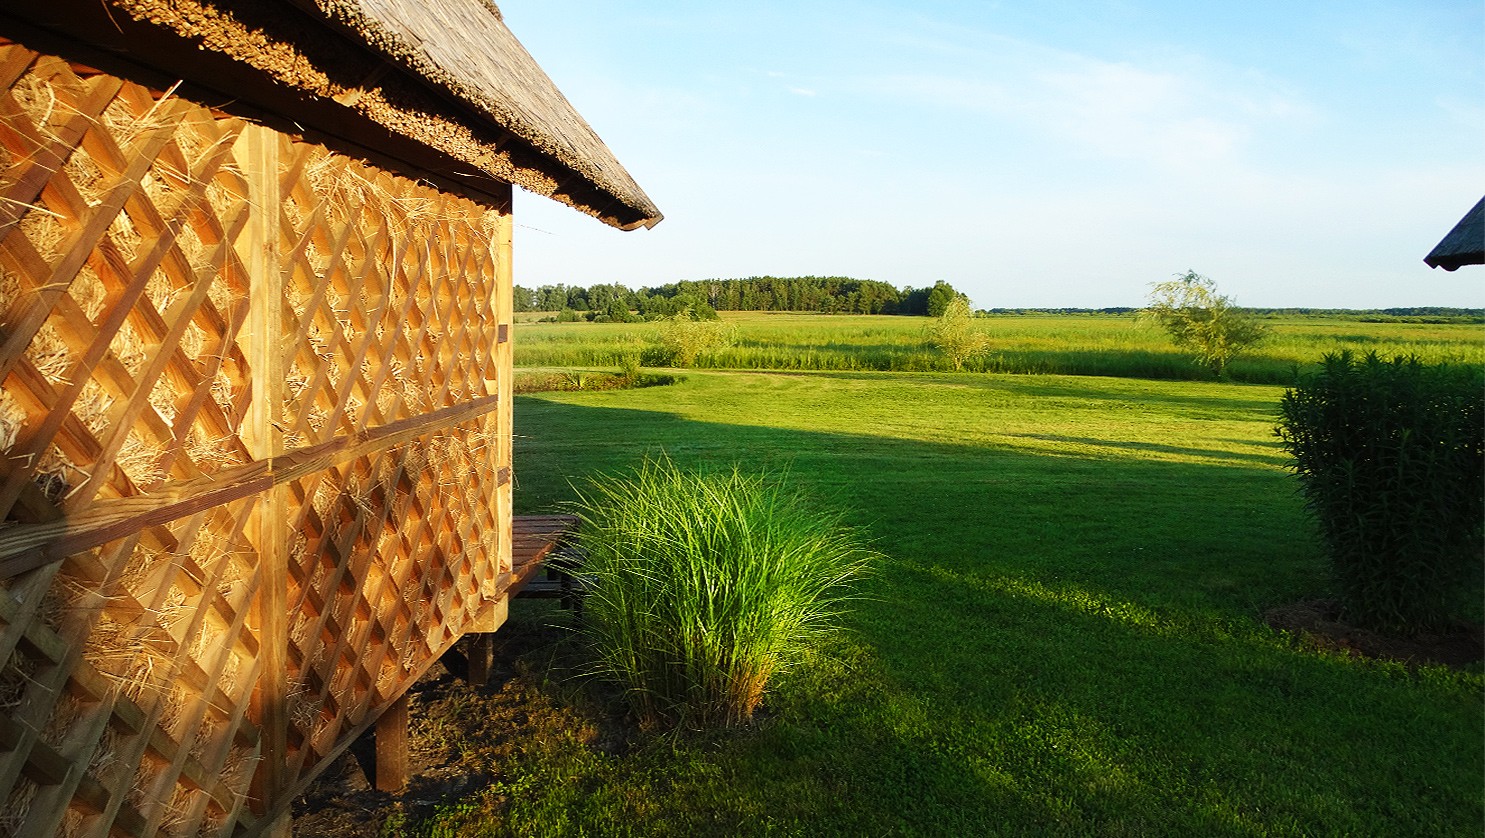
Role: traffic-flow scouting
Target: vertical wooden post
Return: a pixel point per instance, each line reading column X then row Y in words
column 504, row 357
column 391, row 747
column 479, row 651
column 259, row 248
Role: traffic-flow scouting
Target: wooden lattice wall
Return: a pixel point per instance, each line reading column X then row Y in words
column 256, row 445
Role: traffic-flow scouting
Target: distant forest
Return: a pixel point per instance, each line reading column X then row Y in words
column 843, row 295
column 824, row 294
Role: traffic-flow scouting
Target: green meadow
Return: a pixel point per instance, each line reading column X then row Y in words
column 1110, row 345
column 1065, row 637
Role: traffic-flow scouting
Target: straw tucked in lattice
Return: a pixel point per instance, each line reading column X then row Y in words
column 139, row 602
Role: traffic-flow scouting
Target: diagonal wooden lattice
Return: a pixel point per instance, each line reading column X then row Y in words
column 256, row 452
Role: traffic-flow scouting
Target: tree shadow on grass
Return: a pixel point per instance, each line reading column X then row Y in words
column 1055, row 644
column 1217, row 455
column 1229, row 400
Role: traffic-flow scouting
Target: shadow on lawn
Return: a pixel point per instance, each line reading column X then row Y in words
column 1133, row 527
column 1229, row 400
column 1275, row 459
column 1056, row 644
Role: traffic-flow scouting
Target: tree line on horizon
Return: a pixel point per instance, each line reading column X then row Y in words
column 822, row 294
column 844, row 295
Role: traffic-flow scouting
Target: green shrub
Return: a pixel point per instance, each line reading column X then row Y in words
column 706, row 585
column 683, row 338
column 629, row 367
column 1391, row 461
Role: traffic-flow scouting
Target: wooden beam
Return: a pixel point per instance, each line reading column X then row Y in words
column 391, row 747
column 479, row 651
column 505, row 367
column 28, row 546
column 494, row 613
column 259, row 245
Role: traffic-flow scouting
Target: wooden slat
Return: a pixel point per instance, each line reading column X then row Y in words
column 79, row 246
column 29, row 546
column 43, row 157
column 535, row 539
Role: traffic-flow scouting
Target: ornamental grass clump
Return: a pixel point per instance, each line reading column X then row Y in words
column 1391, row 461
column 705, row 585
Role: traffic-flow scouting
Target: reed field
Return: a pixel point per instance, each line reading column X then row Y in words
column 1091, row 344
column 1064, row 634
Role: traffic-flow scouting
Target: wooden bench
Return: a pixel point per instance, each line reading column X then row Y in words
column 535, row 539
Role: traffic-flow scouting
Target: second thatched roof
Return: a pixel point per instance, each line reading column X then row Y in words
column 1464, row 245
column 441, row 87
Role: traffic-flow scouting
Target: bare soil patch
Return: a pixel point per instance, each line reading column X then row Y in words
column 1319, row 622
column 461, row 737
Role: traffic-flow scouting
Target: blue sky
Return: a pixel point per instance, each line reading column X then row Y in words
column 1031, row 154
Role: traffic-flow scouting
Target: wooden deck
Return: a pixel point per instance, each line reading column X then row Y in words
column 534, row 539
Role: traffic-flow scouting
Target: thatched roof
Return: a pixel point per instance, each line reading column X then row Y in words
column 1465, row 244
column 440, row 87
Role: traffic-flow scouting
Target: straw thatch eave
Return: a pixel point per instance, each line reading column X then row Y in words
column 464, row 48
column 1464, row 245
column 440, row 87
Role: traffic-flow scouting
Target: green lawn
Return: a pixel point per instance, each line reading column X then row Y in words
column 1065, row 638
column 1116, row 345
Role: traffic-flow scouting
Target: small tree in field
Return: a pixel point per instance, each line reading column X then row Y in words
column 956, row 335
column 1198, row 318
column 684, row 337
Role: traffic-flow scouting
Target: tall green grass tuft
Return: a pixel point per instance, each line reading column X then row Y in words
column 705, row 585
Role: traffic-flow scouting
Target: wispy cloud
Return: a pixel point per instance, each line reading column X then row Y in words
column 1119, row 110
column 1189, row 116
column 1466, row 112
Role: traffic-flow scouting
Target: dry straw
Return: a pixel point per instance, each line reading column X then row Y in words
column 44, row 102
column 17, row 807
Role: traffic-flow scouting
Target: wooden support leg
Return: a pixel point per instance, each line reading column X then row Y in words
column 564, row 584
column 480, row 650
column 391, row 747
column 281, row 828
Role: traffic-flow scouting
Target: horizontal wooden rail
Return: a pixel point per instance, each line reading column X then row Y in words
column 28, row 546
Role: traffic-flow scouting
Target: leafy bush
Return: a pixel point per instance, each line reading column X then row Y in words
column 706, row 585
column 683, row 338
column 629, row 366
column 1391, row 460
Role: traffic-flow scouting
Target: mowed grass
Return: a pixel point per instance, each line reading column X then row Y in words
column 1111, row 345
column 1064, row 638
